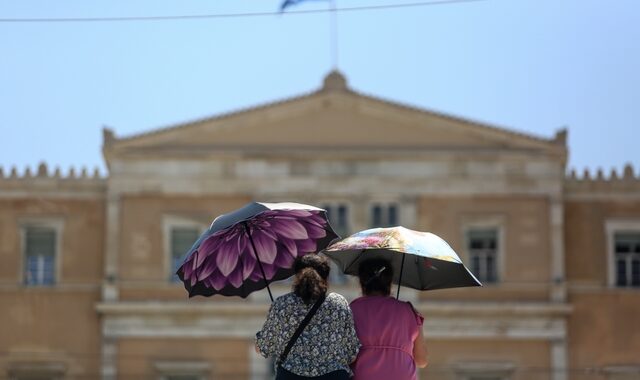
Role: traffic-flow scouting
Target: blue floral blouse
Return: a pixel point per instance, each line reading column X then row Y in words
column 328, row 343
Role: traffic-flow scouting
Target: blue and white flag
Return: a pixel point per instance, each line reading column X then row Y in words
column 287, row 3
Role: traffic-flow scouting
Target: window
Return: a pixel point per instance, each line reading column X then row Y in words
column 338, row 215
column 627, row 259
column 182, row 239
column 383, row 215
column 482, row 248
column 180, row 233
column 40, row 243
column 623, row 253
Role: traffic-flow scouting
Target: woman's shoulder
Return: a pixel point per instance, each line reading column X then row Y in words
column 336, row 299
column 408, row 307
column 285, row 300
column 415, row 313
column 375, row 300
column 289, row 299
column 364, row 304
column 386, row 302
column 359, row 300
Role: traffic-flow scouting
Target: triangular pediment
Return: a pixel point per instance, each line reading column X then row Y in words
column 332, row 118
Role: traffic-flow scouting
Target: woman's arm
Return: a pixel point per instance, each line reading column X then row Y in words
column 353, row 343
column 266, row 338
column 420, row 351
column 344, row 317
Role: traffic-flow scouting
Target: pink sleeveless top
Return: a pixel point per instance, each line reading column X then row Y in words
column 387, row 329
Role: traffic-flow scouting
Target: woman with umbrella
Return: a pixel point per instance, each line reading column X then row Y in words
column 390, row 330
column 310, row 332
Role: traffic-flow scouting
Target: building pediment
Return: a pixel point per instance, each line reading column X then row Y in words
column 332, row 118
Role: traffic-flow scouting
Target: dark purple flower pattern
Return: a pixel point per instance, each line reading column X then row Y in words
column 226, row 257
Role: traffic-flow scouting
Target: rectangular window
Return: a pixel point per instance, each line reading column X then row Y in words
column 182, row 239
column 40, row 256
column 383, row 215
column 482, row 246
column 338, row 215
column 627, row 259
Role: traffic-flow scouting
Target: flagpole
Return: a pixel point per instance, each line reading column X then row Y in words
column 334, row 35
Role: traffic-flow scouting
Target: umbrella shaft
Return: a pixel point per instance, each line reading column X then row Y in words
column 400, row 276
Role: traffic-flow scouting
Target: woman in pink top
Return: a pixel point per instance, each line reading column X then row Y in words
column 389, row 330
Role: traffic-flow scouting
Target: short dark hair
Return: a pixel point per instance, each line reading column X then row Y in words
column 375, row 276
column 312, row 271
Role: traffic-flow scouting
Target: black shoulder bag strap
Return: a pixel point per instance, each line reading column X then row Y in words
column 301, row 327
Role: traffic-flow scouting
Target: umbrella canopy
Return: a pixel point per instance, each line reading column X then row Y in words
column 421, row 260
column 244, row 250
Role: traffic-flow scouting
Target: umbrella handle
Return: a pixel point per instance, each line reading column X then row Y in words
column 400, row 276
column 255, row 252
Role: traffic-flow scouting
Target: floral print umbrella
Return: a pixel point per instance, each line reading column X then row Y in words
column 430, row 261
column 244, row 250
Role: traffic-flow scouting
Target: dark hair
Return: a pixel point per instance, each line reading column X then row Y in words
column 375, row 276
column 312, row 272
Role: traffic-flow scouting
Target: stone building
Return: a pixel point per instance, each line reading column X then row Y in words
column 86, row 262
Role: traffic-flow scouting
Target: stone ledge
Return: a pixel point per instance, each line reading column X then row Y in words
column 169, row 324
column 235, row 308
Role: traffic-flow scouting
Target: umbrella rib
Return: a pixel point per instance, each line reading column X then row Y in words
column 420, row 273
column 354, row 261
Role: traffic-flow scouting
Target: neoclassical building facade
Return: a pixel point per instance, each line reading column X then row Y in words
column 87, row 289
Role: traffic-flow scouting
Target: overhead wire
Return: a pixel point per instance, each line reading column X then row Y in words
column 231, row 15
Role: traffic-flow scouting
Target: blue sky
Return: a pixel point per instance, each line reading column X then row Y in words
column 529, row 65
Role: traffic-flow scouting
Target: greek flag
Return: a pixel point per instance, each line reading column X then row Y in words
column 287, row 3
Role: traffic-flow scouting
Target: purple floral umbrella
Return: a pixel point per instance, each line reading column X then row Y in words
column 244, row 250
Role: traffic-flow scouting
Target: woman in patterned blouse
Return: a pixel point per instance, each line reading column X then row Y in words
column 328, row 344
